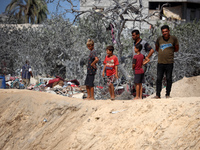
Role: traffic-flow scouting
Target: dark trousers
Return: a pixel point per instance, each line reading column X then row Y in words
column 161, row 70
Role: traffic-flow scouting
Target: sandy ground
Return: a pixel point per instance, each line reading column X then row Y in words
column 31, row 120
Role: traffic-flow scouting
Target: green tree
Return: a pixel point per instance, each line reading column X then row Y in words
column 28, row 11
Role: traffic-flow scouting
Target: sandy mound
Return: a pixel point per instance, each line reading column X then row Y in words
column 187, row 87
column 36, row 120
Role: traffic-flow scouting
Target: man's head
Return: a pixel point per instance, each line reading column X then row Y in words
column 27, row 62
column 90, row 44
column 135, row 34
column 165, row 31
column 109, row 50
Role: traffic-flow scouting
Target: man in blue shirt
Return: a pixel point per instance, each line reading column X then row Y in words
column 26, row 74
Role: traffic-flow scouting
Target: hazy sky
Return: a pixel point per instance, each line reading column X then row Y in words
column 51, row 7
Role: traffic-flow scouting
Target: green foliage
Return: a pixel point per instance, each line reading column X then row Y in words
column 25, row 11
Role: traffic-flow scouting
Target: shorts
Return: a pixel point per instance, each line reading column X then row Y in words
column 139, row 78
column 110, row 79
column 89, row 81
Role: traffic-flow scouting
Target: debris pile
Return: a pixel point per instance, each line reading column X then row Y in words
column 72, row 88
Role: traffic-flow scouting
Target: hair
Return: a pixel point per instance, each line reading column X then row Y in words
column 164, row 27
column 136, row 32
column 90, row 42
column 110, row 48
column 139, row 46
column 27, row 62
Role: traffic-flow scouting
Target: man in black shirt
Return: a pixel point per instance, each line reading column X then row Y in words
column 147, row 50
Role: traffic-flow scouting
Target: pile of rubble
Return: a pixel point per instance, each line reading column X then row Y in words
column 72, row 88
column 60, row 86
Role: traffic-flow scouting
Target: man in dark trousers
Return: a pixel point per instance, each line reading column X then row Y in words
column 166, row 45
column 26, row 74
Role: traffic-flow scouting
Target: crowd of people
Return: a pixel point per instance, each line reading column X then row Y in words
column 165, row 45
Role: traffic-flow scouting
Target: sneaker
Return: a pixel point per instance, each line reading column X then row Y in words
column 156, row 97
column 167, row 96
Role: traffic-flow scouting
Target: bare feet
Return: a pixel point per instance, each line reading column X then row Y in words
column 112, row 98
column 87, row 98
column 136, row 98
column 90, row 98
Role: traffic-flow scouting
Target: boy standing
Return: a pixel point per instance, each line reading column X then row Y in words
column 139, row 72
column 91, row 70
column 111, row 68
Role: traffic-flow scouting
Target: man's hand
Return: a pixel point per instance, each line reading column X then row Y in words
column 94, row 66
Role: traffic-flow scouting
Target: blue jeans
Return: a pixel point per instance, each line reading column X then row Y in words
column 161, row 70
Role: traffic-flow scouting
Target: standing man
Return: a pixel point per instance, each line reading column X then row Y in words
column 166, row 45
column 147, row 50
column 26, row 74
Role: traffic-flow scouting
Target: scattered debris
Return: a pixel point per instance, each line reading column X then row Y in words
column 115, row 112
column 97, row 118
column 72, row 88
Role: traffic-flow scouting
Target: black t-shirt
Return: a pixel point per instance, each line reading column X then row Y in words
column 91, row 58
column 145, row 47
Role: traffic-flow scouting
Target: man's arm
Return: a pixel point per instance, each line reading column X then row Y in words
column 146, row 60
column 176, row 48
column 31, row 73
column 157, row 44
column 150, row 53
column 149, row 49
column 157, row 47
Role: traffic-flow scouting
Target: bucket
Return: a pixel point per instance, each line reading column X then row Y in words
column 2, row 82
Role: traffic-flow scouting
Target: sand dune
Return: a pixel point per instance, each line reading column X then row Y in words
column 31, row 120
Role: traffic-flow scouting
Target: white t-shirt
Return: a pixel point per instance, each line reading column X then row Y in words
column 28, row 70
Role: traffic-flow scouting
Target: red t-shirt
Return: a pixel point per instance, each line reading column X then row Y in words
column 110, row 63
column 138, row 61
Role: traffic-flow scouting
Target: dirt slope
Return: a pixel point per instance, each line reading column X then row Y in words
column 75, row 124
